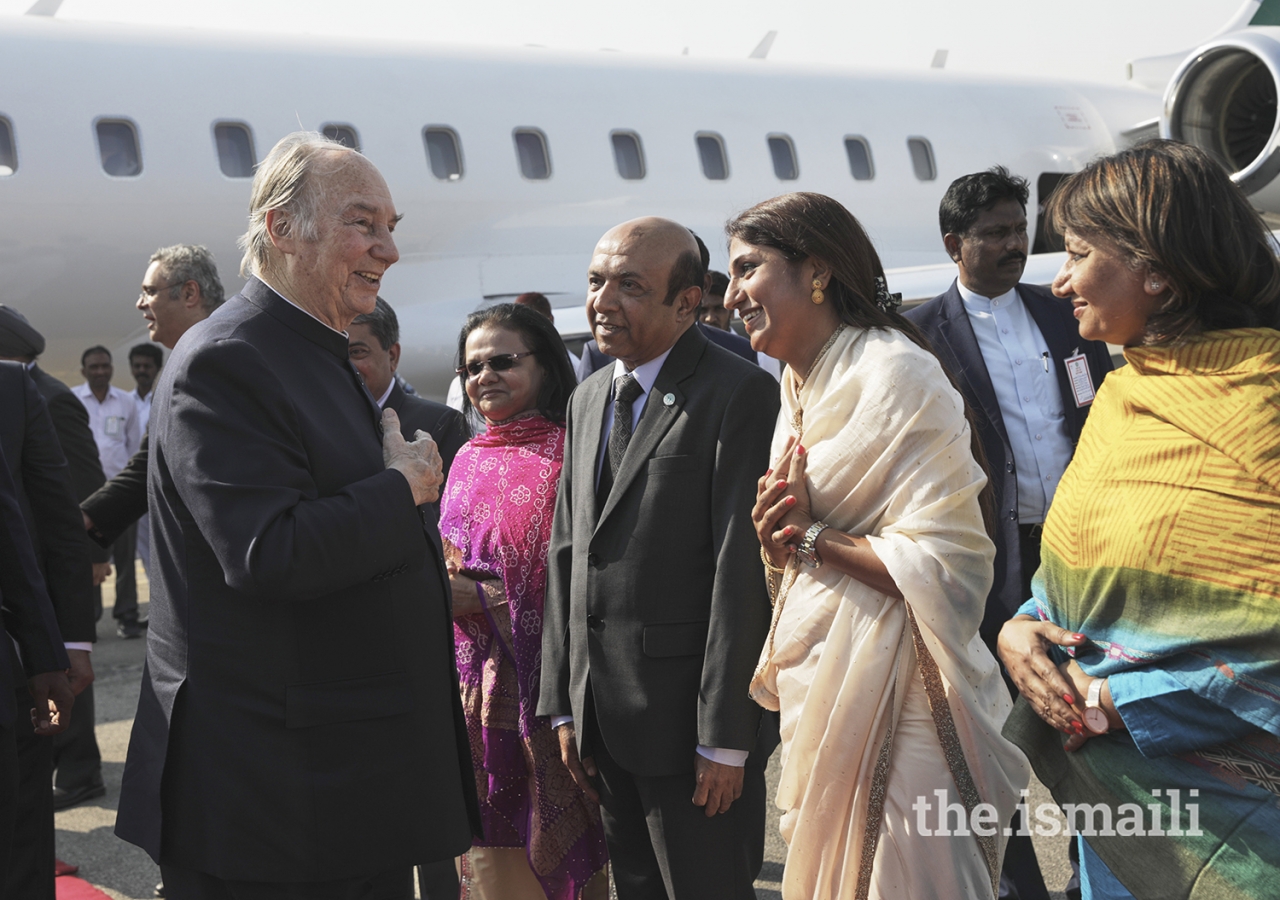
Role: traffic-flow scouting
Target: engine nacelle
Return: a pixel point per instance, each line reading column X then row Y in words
column 1222, row 99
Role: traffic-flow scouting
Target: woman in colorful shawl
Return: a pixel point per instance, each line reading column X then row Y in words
column 1153, row 638
column 872, row 529
column 542, row 836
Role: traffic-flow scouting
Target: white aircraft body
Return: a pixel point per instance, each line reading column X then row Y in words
column 509, row 164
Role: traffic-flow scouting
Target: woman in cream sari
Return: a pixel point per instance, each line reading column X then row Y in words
column 879, row 563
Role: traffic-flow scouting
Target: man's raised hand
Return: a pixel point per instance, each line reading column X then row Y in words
column 418, row 460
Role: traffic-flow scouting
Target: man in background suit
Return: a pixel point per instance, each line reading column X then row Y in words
column 39, row 473
column 179, row 288
column 27, row 619
column 1013, row 348
column 318, row 753
column 375, row 352
column 76, row 757
column 656, row 606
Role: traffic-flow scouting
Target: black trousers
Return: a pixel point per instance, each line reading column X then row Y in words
column 187, row 884
column 8, row 798
column 75, row 751
column 662, row 847
column 30, row 872
column 123, row 552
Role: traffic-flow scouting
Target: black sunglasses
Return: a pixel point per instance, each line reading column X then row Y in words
column 499, row 363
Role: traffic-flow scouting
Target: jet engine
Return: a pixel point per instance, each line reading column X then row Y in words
column 1222, row 99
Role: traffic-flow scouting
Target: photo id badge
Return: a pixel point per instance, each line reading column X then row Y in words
column 1081, row 380
column 114, row 426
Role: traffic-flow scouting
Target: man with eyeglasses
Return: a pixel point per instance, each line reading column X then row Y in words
column 180, row 288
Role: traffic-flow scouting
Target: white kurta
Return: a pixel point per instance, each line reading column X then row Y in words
column 889, row 458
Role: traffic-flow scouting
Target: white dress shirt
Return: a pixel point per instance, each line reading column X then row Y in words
column 114, row 423
column 646, row 374
column 143, row 405
column 1025, row 380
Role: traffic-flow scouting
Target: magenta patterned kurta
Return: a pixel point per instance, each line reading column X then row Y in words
column 496, row 511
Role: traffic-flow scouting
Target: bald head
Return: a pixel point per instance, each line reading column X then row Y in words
column 644, row 287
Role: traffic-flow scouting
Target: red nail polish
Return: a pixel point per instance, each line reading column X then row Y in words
column 768, row 472
column 1069, row 699
column 791, row 501
column 800, row 451
column 1077, row 727
column 1077, row 637
column 780, row 484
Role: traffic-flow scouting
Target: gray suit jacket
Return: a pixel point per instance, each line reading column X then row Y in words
column 657, row 601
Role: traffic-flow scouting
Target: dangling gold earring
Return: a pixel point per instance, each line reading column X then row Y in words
column 817, row 296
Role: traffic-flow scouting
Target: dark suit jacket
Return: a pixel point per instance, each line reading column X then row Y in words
column 659, row 598
column 25, row 609
column 946, row 324
column 299, row 717
column 39, row 473
column 71, row 422
column 447, row 427
column 593, row 359
column 121, row 501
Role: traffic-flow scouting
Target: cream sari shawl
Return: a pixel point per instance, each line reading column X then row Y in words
column 889, row 458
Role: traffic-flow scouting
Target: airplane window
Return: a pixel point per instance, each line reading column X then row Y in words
column 8, row 154
column 531, row 149
column 922, row 158
column 784, row 157
column 235, row 149
column 859, row 158
column 443, row 153
column 628, row 155
column 715, row 164
column 118, row 148
column 343, row 134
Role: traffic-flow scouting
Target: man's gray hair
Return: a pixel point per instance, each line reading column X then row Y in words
column 190, row 262
column 284, row 181
column 382, row 322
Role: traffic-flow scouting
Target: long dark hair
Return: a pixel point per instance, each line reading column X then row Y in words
column 802, row 225
column 542, row 339
column 1170, row 207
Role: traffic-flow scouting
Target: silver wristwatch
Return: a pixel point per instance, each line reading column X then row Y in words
column 807, row 552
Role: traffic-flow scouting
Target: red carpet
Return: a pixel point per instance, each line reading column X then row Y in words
column 72, row 888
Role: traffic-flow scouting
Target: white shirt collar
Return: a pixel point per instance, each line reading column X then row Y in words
column 645, row 373
column 977, row 301
column 286, row 299
column 386, row 395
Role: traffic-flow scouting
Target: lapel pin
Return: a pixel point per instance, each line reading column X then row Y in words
column 669, row 400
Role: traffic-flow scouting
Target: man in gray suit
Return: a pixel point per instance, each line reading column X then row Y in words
column 656, row 605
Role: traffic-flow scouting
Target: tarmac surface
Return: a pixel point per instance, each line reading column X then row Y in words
column 123, row 872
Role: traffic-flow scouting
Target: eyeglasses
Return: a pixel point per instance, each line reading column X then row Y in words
column 499, row 363
column 150, row 292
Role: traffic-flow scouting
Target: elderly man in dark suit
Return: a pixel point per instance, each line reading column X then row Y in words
column 1016, row 352
column 27, row 619
column 375, row 352
column 39, row 473
column 656, row 606
column 284, row 747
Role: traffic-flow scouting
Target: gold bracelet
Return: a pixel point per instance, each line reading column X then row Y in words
column 768, row 566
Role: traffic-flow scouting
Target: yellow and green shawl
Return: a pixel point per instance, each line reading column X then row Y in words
column 1163, row 547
